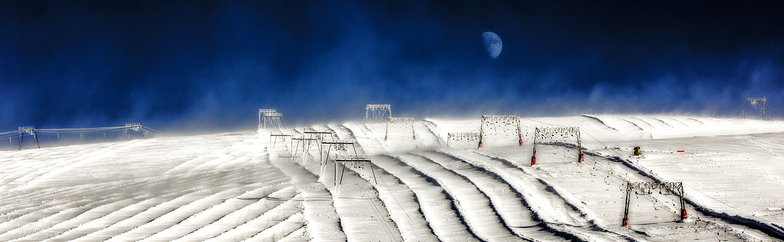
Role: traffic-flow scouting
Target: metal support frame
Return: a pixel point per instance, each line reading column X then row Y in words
column 355, row 161
column 377, row 112
column 754, row 101
column 544, row 132
column 274, row 138
column 133, row 127
column 318, row 137
column 306, row 144
column 338, row 145
column 505, row 120
column 319, row 134
column 459, row 137
column 533, row 155
column 29, row 130
column 399, row 120
column 264, row 111
column 272, row 118
column 645, row 188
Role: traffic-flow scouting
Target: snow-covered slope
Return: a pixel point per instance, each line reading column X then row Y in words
column 247, row 186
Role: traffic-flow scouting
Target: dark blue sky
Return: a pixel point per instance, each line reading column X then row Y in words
column 211, row 65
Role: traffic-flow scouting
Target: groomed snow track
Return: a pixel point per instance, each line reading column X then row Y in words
column 237, row 187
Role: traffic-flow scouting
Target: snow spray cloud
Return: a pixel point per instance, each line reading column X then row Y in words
column 210, row 65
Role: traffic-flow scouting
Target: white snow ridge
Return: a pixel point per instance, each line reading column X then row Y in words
column 421, row 181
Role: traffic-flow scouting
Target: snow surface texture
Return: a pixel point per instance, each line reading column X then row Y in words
column 245, row 186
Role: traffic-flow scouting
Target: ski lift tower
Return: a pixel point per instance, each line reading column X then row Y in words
column 262, row 112
column 340, row 146
column 133, row 127
column 378, row 112
column 271, row 117
column 354, row 161
column 502, row 122
column 753, row 101
column 398, row 120
column 647, row 188
column 27, row 130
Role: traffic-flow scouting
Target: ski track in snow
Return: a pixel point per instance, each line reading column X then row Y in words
column 400, row 200
column 763, row 147
column 324, row 222
column 575, row 217
column 437, row 205
column 480, row 213
column 512, row 204
column 634, row 124
column 364, row 188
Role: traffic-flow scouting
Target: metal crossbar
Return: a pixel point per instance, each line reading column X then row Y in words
column 512, row 118
column 267, row 110
column 319, row 134
column 504, row 120
column 541, row 133
column 460, row 137
column 647, row 188
column 753, row 101
column 378, row 106
column 338, row 146
column 269, row 118
column 377, row 112
column 274, row 138
column 355, row 161
column 35, row 132
column 134, row 126
column 28, row 130
column 399, row 120
column 305, row 143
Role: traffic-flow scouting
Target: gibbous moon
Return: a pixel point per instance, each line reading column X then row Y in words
column 493, row 44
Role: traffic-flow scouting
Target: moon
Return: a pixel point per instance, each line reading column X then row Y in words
column 493, row 44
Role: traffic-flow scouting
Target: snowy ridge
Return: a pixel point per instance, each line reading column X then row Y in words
column 237, row 187
column 600, row 121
